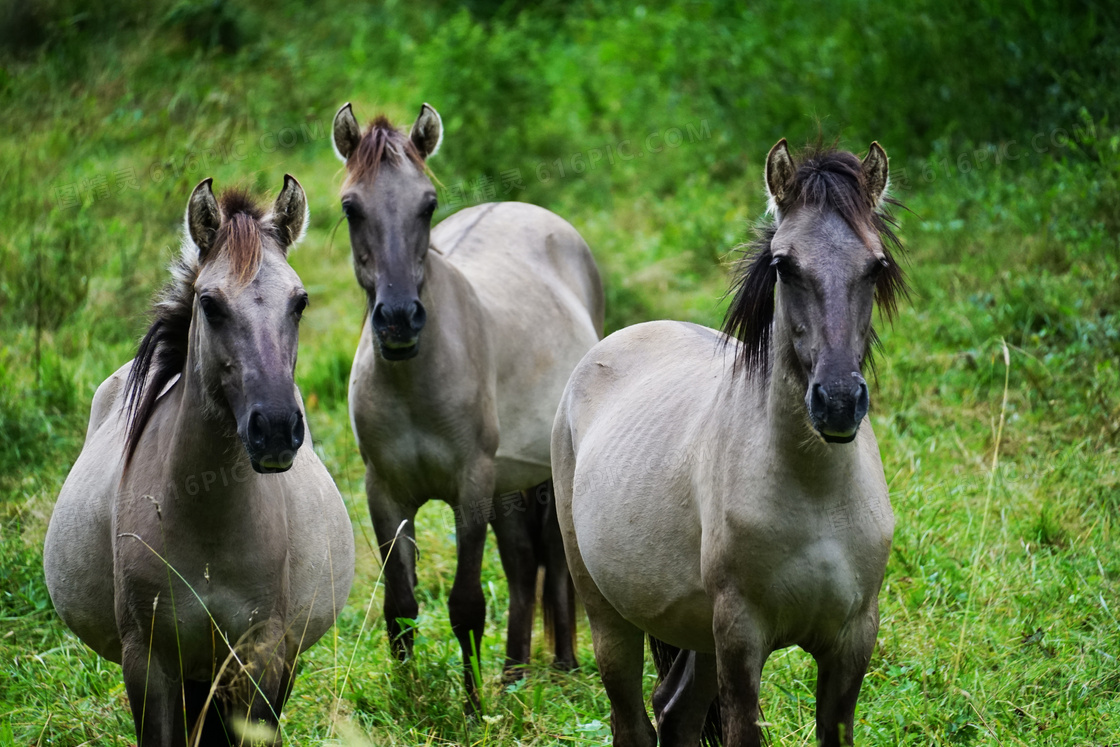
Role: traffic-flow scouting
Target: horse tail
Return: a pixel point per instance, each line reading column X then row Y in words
column 664, row 654
column 558, row 597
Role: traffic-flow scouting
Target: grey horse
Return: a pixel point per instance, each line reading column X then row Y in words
column 470, row 333
column 195, row 542
column 727, row 498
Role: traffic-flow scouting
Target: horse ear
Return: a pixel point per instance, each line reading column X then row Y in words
column 203, row 217
column 876, row 173
column 346, row 132
column 289, row 213
column 779, row 174
column 427, row 131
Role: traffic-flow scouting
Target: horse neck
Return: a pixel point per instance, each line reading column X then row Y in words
column 778, row 403
column 205, row 458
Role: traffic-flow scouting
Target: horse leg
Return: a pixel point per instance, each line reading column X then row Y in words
column 682, row 700
column 210, row 727
column 515, row 546
column 620, row 652
column 398, row 558
column 559, row 592
column 839, row 677
column 466, row 604
column 155, row 698
column 740, row 656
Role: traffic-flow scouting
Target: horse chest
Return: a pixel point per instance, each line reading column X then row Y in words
column 808, row 573
column 420, row 448
column 184, row 583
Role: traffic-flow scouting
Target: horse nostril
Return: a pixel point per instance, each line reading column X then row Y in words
column 295, row 425
column 863, row 399
column 379, row 319
column 819, row 399
column 258, row 430
column 418, row 316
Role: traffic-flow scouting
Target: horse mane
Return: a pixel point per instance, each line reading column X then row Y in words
column 162, row 353
column 825, row 178
column 381, row 143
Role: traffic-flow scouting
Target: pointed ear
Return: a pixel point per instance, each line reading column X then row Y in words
column 780, row 172
column 876, row 173
column 203, row 217
column 289, row 213
column 346, row 132
column 427, row 131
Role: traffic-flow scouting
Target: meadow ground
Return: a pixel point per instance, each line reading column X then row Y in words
column 996, row 400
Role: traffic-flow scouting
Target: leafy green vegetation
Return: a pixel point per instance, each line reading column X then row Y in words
column 997, row 402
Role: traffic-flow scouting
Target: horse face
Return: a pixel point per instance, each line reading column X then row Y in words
column 389, row 212
column 825, row 295
column 246, row 330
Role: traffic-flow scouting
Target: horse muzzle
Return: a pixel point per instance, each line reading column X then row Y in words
column 837, row 408
column 398, row 327
column 272, row 439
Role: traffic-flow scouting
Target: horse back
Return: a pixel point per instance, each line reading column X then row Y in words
column 511, row 249
column 541, row 297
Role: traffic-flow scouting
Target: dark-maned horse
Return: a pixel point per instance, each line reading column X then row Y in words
column 746, row 509
column 471, row 331
column 195, row 542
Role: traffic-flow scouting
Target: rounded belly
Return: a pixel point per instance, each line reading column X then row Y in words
column 644, row 556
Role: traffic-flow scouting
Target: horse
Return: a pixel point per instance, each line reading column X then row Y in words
column 470, row 332
column 722, row 491
column 195, row 542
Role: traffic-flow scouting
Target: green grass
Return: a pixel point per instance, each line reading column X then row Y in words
column 1000, row 607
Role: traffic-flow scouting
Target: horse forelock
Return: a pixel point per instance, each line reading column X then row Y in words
column 240, row 237
column 381, row 143
column 824, row 179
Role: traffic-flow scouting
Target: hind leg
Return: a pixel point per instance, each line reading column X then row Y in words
column 519, row 561
column 559, row 592
column 682, row 700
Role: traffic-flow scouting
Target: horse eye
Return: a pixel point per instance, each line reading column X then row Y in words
column 347, row 210
column 785, row 267
column 211, row 309
column 300, row 306
column 430, row 209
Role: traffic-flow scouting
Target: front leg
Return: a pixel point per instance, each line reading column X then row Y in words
column 254, row 689
column 840, row 675
column 466, row 604
column 741, row 652
column 394, row 523
column 156, row 697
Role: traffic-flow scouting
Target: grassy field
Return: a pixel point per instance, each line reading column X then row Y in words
column 997, row 396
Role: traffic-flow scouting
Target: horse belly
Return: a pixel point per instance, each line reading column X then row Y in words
column 78, row 555
column 640, row 544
